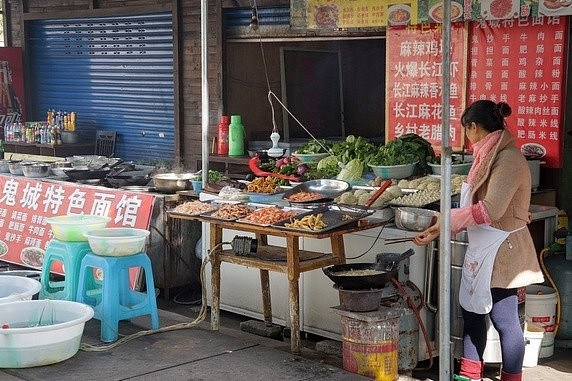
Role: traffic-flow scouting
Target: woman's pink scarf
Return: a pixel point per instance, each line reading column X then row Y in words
column 480, row 150
column 476, row 214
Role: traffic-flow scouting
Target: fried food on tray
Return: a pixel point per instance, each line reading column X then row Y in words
column 232, row 212
column 267, row 216
column 262, row 185
column 194, row 207
column 304, row 196
column 309, row 222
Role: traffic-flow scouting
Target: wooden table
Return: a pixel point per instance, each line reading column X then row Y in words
column 292, row 263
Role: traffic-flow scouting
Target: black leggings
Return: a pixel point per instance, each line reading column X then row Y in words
column 504, row 316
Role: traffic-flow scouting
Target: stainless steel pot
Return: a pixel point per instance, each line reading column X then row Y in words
column 173, row 182
column 36, row 170
column 415, row 219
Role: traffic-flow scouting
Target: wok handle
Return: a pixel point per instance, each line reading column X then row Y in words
column 378, row 193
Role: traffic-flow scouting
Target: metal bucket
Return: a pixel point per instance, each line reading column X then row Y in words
column 370, row 347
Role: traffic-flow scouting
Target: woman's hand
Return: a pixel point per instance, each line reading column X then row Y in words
column 428, row 234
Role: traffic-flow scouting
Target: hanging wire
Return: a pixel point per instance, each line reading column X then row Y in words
column 271, row 93
column 372, row 245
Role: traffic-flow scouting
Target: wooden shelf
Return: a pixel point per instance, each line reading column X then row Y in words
column 273, row 258
column 62, row 150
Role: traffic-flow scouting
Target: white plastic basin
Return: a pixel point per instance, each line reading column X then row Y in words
column 71, row 228
column 117, row 242
column 14, row 288
column 46, row 331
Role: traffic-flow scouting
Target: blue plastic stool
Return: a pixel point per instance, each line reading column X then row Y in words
column 112, row 298
column 70, row 254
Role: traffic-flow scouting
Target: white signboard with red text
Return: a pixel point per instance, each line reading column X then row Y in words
column 26, row 203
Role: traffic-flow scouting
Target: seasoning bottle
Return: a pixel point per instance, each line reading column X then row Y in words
column 223, row 128
column 236, row 136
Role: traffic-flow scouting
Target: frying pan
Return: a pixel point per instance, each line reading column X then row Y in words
column 385, row 270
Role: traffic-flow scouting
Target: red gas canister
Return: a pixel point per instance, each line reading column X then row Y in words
column 223, row 127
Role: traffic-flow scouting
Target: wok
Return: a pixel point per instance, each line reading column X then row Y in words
column 126, row 179
column 87, row 174
column 384, row 271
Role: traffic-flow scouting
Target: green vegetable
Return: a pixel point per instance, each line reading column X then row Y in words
column 406, row 149
column 313, row 147
column 216, row 175
column 330, row 165
column 354, row 148
column 352, row 171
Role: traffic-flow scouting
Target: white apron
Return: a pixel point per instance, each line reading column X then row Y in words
column 484, row 242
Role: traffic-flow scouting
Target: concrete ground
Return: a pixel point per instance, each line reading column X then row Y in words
column 556, row 368
column 230, row 354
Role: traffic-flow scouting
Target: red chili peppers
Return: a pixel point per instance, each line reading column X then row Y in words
column 253, row 164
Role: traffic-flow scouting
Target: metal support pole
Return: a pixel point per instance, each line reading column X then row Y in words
column 204, row 92
column 204, row 112
column 445, row 233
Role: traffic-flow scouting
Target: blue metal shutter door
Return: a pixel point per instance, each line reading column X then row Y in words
column 115, row 72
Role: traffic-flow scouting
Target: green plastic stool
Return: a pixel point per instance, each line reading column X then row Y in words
column 70, row 254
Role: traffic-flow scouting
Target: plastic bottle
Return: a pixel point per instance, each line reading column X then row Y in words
column 223, row 128
column 236, row 136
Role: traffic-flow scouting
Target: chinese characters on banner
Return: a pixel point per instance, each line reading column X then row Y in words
column 414, row 90
column 26, row 203
column 521, row 62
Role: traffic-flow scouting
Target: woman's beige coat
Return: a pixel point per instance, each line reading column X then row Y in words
column 504, row 185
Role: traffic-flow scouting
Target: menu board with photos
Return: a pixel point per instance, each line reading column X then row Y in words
column 26, row 203
column 521, row 62
column 341, row 14
column 414, row 83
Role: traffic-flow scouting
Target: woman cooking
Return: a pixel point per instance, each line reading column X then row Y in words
column 500, row 256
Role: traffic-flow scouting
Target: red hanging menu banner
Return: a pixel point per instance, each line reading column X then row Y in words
column 26, row 203
column 521, row 62
column 414, row 75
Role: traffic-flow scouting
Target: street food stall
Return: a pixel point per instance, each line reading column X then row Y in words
column 36, row 190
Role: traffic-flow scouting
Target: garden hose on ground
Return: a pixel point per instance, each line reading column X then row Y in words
column 202, row 315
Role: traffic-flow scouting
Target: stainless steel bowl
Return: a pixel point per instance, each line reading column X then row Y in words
column 415, row 219
column 15, row 167
column 4, row 166
column 328, row 187
column 173, row 182
column 36, row 170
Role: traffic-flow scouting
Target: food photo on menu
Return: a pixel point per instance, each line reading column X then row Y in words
column 398, row 14
column 554, row 7
column 436, row 11
column 326, row 16
column 32, row 256
column 499, row 9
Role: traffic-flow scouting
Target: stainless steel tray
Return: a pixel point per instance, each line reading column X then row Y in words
column 333, row 219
